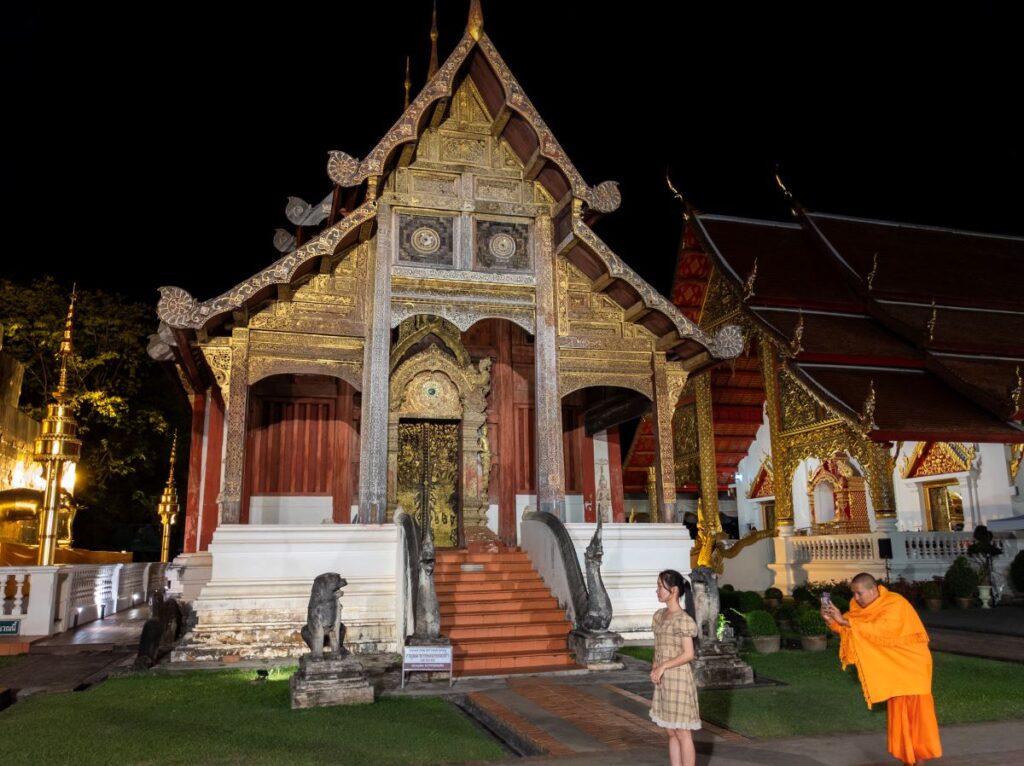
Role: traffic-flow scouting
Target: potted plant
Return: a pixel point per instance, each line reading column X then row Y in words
column 962, row 582
column 772, row 598
column 812, row 629
column 1017, row 573
column 764, row 633
column 983, row 551
column 932, row 595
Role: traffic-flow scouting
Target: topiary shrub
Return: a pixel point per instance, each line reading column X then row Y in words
column 773, row 593
column 761, row 623
column 802, row 594
column 1017, row 572
column 930, row 589
column 749, row 601
column 961, row 581
column 842, row 604
column 727, row 588
column 809, row 622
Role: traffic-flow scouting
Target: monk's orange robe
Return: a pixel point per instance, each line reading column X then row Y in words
column 889, row 645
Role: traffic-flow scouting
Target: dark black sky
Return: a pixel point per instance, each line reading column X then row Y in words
column 157, row 145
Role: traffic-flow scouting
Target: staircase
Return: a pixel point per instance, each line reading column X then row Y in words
column 500, row 616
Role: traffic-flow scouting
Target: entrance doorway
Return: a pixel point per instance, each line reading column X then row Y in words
column 428, row 476
column 945, row 507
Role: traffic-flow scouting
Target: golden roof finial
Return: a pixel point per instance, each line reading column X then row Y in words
column 794, row 206
column 174, row 458
column 796, row 344
column 932, row 321
column 867, row 415
column 432, row 69
column 475, row 26
column 748, row 286
column 873, row 272
column 689, row 211
column 1017, row 393
column 408, row 82
column 65, row 348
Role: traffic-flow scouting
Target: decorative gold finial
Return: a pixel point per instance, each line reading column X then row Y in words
column 432, row 69
column 167, row 509
column 408, row 82
column 475, row 27
column 794, row 206
column 873, row 272
column 932, row 321
column 796, row 344
column 1017, row 393
column 65, row 348
column 689, row 211
column 748, row 286
column 867, row 414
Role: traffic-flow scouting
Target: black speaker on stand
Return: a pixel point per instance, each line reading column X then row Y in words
column 885, row 553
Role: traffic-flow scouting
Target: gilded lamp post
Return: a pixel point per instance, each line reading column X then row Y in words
column 56, row 446
column 167, row 509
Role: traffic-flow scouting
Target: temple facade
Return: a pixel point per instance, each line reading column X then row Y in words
column 445, row 334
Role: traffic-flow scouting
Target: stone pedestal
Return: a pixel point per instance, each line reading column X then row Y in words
column 595, row 650
column 718, row 664
column 319, row 683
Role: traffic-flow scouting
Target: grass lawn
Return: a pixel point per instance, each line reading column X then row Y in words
column 9, row 659
column 820, row 699
column 226, row 718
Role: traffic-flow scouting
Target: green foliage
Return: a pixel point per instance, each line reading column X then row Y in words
column 773, row 593
column 983, row 551
column 125, row 405
column 760, row 623
column 1017, row 572
column 784, row 612
column 645, row 653
column 961, row 581
column 749, row 600
column 842, row 604
column 727, row 588
column 931, row 589
column 809, row 622
column 966, row 690
column 227, row 718
column 802, row 594
column 911, row 591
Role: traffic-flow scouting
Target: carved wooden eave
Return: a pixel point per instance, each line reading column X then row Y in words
column 517, row 122
column 181, row 311
column 937, row 458
column 643, row 304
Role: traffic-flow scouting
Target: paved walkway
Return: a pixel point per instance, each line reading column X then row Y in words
column 994, row 633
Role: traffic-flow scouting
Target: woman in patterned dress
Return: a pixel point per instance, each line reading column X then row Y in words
column 675, row 692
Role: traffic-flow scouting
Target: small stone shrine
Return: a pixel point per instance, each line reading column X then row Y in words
column 718, row 663
column 336, row 678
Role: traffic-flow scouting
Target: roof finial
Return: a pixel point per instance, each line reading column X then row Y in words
column 796, row 344
column 748, row 286
column 932, row 321
column 174, row 457
column 1017, row 393
column 432, row 69
column 873, row 272
column 867, row 415
column 65, row 349
column 689, row 211
column 475, row 26
column 794, row 206
column 408, row 82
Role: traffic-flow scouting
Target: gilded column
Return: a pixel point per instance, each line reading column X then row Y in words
column 547, row 402
column 706, row 447
column 664, row 459
column 373, row 437
column 780, row 460
column 236, row 402
column 880, row 486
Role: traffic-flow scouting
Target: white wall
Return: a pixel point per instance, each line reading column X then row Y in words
column 749, row 511
column 295, row 509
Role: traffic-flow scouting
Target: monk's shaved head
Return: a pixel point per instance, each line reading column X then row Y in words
column 865, row 580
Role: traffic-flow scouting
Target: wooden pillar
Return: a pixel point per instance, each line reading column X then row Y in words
column 706, row 447
column 373, row 444
column 615, row 475
column 664, row 458
column 193, row 497
column 237, row 405
column 781, row 462
column 547, row 401
column 503, row 393
column 342, row 495
column 212, row 463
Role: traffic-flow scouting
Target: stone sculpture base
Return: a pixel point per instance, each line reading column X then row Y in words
column 595, row 650
column 718, row 664
column 319, row 683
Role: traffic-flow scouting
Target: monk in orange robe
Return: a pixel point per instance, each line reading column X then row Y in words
column 883, row 636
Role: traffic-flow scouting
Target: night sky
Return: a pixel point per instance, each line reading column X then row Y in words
column 144, row 149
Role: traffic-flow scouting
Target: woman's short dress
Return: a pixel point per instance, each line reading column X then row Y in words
column 675, row 698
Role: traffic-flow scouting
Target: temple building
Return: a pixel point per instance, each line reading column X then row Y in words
column 446, row 334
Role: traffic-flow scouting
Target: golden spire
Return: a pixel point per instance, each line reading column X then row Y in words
column 432, row 69
column 873, row 272
column 867, row 415
column 796, row 344
column 932, row 321
column 748, row 285
column 689, row 211
column 794, row 206
column 1017, row 393
column 65, row 350
column 167, row 509
column 475, row 25
column 408, row 83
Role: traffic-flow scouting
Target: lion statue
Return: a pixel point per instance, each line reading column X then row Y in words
column 323, row 618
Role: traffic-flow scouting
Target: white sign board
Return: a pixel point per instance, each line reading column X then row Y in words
column 427, row 659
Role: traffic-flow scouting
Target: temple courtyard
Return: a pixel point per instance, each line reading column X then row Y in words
column 79, row 690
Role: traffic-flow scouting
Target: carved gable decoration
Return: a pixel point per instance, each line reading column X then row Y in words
column 936, row 458
column 427, row 240
column 800, row 410
column 502, row 246
column 764, row 481
column 721, row 302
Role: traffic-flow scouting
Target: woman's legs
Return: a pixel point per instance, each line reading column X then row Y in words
column 675, row 752
column 688, row 756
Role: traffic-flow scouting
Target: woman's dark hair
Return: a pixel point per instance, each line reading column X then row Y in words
column 673, row 579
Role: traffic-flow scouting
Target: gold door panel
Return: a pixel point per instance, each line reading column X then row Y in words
column 428, row 476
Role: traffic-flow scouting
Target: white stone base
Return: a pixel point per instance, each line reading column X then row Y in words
column 188, row 574
column 256, row 600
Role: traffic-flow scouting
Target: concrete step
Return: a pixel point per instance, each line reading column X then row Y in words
column 464, row 557
column 523, row 630
column 508, row 645
column 477, row 567
column 492, row 617
column 498, row 663
column 505, row 594
column 485, row 577
column 479, row 586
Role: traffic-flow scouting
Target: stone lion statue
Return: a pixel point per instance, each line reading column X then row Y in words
column 323, row 617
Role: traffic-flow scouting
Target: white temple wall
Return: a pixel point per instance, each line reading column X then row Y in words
column 749, row 511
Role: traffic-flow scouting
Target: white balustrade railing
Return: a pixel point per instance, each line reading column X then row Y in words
column 931, row 546
column 30, row 596
column 834, row 548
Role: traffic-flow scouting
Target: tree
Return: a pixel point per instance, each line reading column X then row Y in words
column 126, row 405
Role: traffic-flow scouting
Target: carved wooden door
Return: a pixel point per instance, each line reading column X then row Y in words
column 428, row 476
